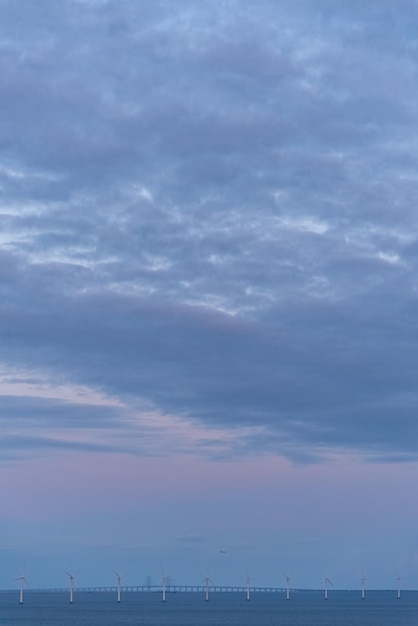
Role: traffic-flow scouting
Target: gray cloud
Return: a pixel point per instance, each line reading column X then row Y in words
column 210, row 212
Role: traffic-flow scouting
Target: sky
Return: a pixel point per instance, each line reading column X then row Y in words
column 209, row 291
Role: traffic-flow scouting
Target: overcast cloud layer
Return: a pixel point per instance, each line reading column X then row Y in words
column 209, row 225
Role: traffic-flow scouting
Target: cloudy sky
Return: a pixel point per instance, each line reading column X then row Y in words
column 209, row 291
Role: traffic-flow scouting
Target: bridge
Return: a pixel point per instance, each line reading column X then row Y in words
column 168, row 589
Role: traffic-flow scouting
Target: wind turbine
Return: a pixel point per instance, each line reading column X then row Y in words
column 21, row 580
column 207, row 580
column 287, row 586
column 398, row 580
column 165, row 580
column 363, row 580
column 327, row 582
column 119, row 577
column 247, row 582
column 71, row 577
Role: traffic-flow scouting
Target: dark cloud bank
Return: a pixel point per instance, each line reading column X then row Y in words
column 210, row 211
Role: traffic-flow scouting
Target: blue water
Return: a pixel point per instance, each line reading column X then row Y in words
column 305, row 608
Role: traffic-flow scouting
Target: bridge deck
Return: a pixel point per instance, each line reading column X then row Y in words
column 170, row 589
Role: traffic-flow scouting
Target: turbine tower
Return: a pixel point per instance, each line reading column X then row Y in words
column 119, row 583
column 327, row 582
column 165, row 580
column 398, row 580
column 71, row 577
column 207, row 580
column 21, row 580
column 363, row 580
column 287, row 586
column 248, row 581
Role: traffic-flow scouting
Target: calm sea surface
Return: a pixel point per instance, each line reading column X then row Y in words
column 343, row 608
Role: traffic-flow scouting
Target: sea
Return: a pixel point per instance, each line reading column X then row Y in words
column 305, row 608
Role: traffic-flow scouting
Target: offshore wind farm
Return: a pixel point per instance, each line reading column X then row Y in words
column 166, row 587
column 183, row 602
